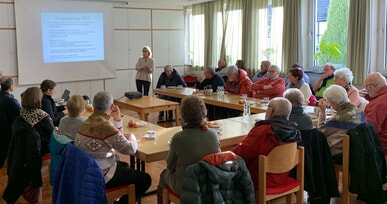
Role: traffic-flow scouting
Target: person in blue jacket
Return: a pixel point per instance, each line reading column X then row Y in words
column 170, row 77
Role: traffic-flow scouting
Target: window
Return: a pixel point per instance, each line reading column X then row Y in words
column 331, row 31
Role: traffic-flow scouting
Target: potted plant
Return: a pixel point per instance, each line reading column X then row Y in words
column 328, row 51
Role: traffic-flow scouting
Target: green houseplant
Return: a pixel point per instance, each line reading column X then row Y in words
column 328, row 51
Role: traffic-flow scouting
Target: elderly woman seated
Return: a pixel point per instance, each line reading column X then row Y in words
column 343, row 77
column 298, row 115
column 295, row 76
column 190, row 145
column 347, row 117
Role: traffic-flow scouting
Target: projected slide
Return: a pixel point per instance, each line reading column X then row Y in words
column 72, row 37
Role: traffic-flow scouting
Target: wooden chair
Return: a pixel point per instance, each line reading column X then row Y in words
column 281, row 159
column 169, row 195
column 344, row 168
column 113, row 194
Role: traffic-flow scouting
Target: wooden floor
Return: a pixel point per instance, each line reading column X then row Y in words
column 154, row 169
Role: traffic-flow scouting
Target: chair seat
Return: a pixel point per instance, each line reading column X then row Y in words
column 288, row 185
column 115, row 188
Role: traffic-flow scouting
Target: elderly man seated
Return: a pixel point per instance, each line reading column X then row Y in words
column 210, row 78
column 274, row 131
column 376, row 110
column 100, row 138
column 238, row 81
column 325, row 80
column 298, row 115
column 272, row 86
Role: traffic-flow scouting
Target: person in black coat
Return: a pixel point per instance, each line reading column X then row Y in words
column 210, row 78
column 48, row 88
column 9, row 111
column 170, row 77
column 30, row 136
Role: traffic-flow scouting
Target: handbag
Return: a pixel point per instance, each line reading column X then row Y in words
column 31, row 194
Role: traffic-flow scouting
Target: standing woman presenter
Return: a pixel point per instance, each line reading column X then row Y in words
column 145, row 66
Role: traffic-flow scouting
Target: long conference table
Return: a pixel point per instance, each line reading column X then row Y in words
column 230, row 101
column 230, row 133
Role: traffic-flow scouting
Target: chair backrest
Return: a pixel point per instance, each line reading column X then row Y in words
column 277, row 162
column 281, row 159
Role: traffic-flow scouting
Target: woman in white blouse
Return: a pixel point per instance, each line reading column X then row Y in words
column 145, row 67
column 296, row 81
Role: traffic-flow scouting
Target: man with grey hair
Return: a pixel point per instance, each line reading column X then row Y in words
column 275, row 130
column 272, row 86
column 325, row 80
column 100, row 138
column 238, row 81
column 9, row 111
column 210, row 78
column 376, row 110
column 298, row 115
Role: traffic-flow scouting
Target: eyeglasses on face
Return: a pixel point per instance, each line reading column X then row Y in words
column 271, row 71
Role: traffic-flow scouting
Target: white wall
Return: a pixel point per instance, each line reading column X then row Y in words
column 135, row 25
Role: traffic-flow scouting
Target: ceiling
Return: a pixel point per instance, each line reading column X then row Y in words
column 178, row 2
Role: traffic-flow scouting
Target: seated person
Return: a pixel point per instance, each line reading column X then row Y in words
column 68, row 128
column 275, row 130
column 170, row 77
column 99, row 131
column 210, row 78
column 222, row 69
column 343, row 77
column 263, row 73
column 298, row 115
column 325, row 81
column 272, row 86
column 238, row 82
column 190, row 145
column 48, row 88
column 295, row 75
column 30, row 135
column 376, row 110
column 305, row 76
column 240, row 64
column 347, row 117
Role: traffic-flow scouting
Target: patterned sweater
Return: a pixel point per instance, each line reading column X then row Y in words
column 100, row 138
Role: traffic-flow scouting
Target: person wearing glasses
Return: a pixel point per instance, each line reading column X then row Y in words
column 376, row 110
column 272, row 86
column 144, row 67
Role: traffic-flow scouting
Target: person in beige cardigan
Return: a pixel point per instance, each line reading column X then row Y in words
column 145, row 67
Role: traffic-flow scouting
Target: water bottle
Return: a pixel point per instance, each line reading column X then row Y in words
column 220, row 92
column 246, row 112
column 208, row 90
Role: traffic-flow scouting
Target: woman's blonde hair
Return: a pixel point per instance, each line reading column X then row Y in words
column 75, row 105
column 193, row 110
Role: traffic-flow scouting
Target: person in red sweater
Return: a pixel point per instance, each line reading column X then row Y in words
column 272, row 86
column 376, row 110
column 238, row 81
column 275, row 130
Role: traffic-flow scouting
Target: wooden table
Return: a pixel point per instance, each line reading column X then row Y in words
column 148, row 104
column 227, row 101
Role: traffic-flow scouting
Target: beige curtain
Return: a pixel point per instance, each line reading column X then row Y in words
column 254, row 34
column 358, row 32
column 197, row 34
column 277, row 31
column 292, row 43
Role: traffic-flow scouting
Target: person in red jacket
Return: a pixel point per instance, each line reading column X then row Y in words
column 272, row 86
column 275, row 130
column 238, row 81
column 376, row 110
